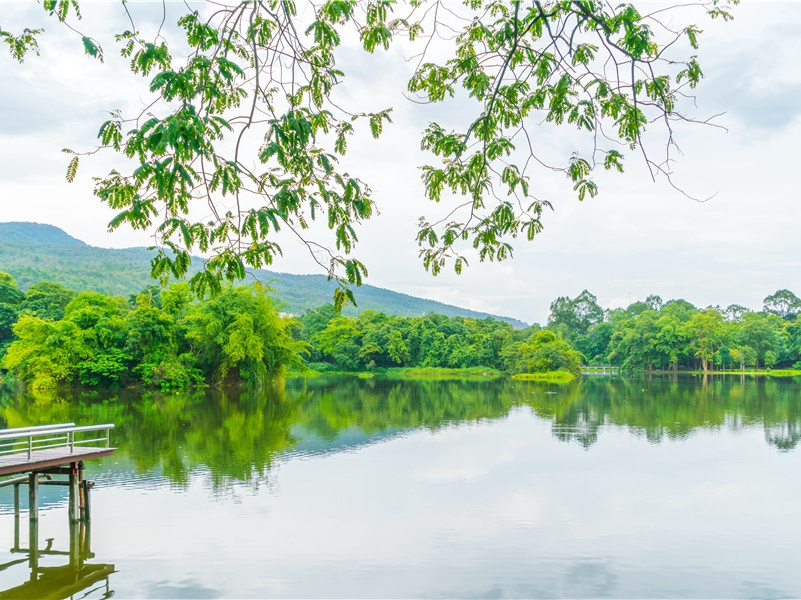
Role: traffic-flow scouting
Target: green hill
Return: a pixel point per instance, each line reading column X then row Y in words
column 32, row 252
column 37, row 233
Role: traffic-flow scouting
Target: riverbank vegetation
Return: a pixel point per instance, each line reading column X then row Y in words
column 675, row 335
column 163, row 339
column 168, row 339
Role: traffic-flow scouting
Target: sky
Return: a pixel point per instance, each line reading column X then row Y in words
column 636, row 238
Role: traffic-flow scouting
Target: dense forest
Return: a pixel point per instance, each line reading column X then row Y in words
column 647, row 335
column 675, row 335
column 166, row 338
column 159, row 338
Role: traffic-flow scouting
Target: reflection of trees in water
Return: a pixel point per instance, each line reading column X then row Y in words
column 238, row 434
column 235, row 434
column 785, row 436
column 673, row 407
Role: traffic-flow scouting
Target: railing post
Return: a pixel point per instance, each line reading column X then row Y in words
column 30, row 446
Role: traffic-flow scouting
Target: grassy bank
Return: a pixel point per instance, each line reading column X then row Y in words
column 549, row 376
column 771, row 373
column 410, row 373
column 443, row 373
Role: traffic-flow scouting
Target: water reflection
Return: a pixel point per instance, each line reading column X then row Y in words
column 78, row 576
column 238, row 434
column 485, row 489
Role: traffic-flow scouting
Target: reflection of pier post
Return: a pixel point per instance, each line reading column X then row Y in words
column 63, row 581
column 33, row 548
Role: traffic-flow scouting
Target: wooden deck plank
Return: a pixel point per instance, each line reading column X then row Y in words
column 13, row 464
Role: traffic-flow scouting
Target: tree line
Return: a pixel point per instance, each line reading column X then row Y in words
column 376, row 340
column 675, row 335
column 168, row 339
column 158, row 338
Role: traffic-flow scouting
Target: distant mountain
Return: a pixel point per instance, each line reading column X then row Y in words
column 32, row 252
column 37, row 233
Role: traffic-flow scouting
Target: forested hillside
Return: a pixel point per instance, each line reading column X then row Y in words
column 32, row 252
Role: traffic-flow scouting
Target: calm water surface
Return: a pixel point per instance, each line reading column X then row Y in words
column 347, row 487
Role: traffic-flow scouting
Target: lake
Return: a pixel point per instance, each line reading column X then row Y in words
column 347, row 487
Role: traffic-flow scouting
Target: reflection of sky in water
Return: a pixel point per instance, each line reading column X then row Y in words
column 497, row 508
column 518, row 505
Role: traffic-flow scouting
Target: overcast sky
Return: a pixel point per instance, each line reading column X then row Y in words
column 636, row 238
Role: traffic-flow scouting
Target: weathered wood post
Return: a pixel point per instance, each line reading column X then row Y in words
column 81, row 492
column 33, row 496
column 16, row 531
column 87, row 514
column 74, row 510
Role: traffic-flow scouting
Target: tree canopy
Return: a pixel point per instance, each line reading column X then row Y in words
column 239, row 118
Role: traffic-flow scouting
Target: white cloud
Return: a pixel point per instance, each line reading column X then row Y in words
column 637, row 238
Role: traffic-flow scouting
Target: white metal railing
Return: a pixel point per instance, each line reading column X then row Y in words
column 30, row 439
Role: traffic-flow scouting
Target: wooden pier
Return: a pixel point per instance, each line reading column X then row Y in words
column 42, row 452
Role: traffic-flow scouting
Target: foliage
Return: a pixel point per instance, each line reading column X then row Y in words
column 376, row 340
column 34, row 253
column 546, row 352
column 10, row 298
column 574, row 317
column 259, row 139
column 100, row 341
column 238, row 335
column 783, row 303
column 166, row 339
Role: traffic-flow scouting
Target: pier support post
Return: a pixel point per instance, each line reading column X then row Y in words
column 81, row 492
column 75, row 510
column 16, row 532
column 87, row 513
column 33, row 496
